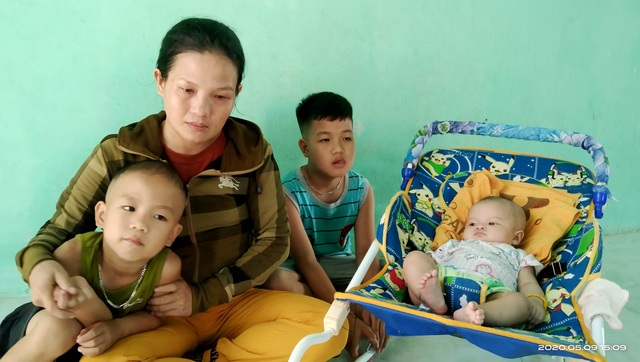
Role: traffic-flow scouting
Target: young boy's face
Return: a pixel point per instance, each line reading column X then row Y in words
column 330, row 146
column 140, row 215
column 492, row 221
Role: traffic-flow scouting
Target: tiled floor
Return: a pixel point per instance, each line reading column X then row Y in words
column 618, row 261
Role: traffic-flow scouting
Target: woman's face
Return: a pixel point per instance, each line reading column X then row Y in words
column 199, row 94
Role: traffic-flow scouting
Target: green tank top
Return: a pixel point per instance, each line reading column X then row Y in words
column 91, row 243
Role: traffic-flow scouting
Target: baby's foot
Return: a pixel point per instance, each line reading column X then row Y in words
column 431, row 294
column 470, row 313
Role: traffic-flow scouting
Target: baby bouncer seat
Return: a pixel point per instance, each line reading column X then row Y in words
column 562, row 200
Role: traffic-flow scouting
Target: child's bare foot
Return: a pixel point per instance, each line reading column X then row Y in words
column 470, row 313
column 431, row 293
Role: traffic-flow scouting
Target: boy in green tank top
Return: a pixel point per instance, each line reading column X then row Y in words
column 116, row 270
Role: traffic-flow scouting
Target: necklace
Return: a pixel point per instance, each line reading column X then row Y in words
column 128, row 303
column 322, row 192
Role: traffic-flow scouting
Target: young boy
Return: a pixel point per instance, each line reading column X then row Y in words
column 325, row 200
column 487, row 253
column 117, row 270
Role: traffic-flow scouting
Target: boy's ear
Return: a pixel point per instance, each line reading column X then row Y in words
column 174, row 234
column 303, row 147
column 518, row 237
column 100, row 210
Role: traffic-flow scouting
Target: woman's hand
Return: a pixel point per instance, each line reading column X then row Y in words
column 45, row 277
column 171, row 300
column 66, row 301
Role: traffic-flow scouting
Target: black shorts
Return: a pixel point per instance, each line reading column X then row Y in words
column 14, row 326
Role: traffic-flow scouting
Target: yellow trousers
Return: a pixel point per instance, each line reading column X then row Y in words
column 257, row 325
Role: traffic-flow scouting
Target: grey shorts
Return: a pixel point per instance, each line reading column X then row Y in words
column 339, row 268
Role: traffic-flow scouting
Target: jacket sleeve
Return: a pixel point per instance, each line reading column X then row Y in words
column 74, row 213
column 268, row 250
column 271, row 226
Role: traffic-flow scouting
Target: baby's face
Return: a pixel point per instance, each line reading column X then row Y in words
column 491, row 221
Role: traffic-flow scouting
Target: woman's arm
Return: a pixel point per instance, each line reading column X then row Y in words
column 271, row 227
column 74, row 214
column 266, row 206
column 256, row 259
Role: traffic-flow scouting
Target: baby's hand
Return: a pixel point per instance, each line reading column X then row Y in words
column 537, row 311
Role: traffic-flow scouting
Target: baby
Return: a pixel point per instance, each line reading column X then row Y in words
column 487, row 253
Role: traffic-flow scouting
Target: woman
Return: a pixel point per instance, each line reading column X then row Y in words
column 236, row 231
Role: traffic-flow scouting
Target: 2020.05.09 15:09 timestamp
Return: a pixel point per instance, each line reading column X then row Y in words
column 582, row 347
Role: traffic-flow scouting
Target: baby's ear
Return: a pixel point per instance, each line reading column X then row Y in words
column 518, row 237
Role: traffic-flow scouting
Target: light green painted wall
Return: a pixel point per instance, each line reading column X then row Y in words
column 73, row 71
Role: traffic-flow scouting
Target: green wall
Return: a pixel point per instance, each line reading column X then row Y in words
column 73, row 71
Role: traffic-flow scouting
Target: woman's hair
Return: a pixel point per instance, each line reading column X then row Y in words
column 200, row 35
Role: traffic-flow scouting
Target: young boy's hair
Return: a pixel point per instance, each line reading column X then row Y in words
column 322, row 106
column 154, row 167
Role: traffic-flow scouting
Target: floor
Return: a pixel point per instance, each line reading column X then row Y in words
column 618, row 266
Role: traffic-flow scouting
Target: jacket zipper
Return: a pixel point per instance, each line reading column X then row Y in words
column 192, row 234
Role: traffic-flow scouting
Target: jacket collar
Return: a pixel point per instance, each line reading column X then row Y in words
column 245, row 150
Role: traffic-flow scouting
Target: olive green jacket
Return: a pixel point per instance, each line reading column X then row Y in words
column 236, row 230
